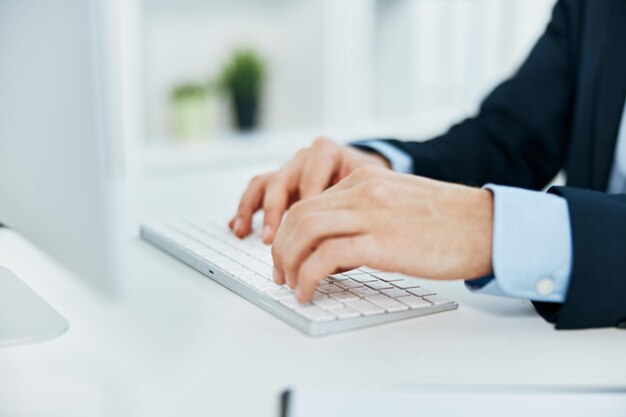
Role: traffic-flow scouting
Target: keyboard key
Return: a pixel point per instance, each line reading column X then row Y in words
column 363, row 278
column 266, row 258
column 394, row 292
column 406, row 283
column 421, row 292
column 328, row 303
column 347, row 284
column 365, row 307
column 278, row 294
column 387, row 303
column 338, row 277
column 437, row 300
column 217, row 259
column 345, row 313
column 352, row 272
column 252, row 279
column 378, row 285
column 389, row 276
column 319, row 296
column 228, row 265
column 292, row 302
column 343, row 296
column 247, row 275
column 256, row 266
column 236, row 272
column 266, row 272
column 414, row 302
column 247, row 261
column 314, row 313
column 264, row 285
column 195, row 248
column 369, row 270
column 362, row 291
column 329, row 288
column 208, row 254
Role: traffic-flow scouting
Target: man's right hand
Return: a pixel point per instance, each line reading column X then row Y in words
column 308, row 173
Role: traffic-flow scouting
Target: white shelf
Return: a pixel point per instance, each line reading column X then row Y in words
column 235, row 150
column 223, row 152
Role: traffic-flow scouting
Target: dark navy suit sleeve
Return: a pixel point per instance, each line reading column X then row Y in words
column 597, row 292
column 520, row 135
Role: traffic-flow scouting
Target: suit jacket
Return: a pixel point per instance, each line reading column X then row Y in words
column 561, row 110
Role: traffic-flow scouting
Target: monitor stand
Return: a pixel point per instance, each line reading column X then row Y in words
column 24, row 316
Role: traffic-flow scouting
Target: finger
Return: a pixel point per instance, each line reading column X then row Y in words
column 360, row 176
column 329, row 256
column 318, row 204
column 250, row 202
column 274, row 205
column 319, row 168
column 308, row 233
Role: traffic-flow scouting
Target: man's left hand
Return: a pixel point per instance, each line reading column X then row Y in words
column 387, row 221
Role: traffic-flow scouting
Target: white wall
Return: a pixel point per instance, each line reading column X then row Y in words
column 190, row 40
column 343, row 63
column 438, row 58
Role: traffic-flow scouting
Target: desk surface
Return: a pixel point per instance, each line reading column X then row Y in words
column 173, row 342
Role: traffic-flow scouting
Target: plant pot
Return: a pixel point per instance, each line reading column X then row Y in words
column 193, row 116
column 246, row 111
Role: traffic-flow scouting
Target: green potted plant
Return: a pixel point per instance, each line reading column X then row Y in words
column 189, row 110
column 242, row 79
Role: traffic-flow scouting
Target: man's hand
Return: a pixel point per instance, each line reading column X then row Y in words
column 311, row 171
column 387, row 221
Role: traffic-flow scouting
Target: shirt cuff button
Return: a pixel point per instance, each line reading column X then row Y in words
column 545, row 286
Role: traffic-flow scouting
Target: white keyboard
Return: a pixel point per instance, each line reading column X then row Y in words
column 358, row 298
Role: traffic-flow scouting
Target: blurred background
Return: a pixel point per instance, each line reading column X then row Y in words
column 211, row 84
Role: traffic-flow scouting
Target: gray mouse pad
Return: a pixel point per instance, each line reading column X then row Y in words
column 24, row 315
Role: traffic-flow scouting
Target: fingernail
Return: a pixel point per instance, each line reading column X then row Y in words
column 237, row 224
column 298, row 292
column 267, row 230
column 274, row 275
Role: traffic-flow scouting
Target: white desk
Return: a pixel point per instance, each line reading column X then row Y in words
column 176, row 343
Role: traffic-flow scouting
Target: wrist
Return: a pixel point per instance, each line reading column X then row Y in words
column 379, row 160
column 484, row 235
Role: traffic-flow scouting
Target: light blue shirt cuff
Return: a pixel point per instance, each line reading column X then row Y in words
column 532, row 246
column 400, row 161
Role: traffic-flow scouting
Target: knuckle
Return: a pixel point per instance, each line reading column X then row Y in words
column 272, row 202
column 306, row 225
column 301, row 153
column 257, row 180
column 309, row 182
column 322, row 143
column 377, row 190
column 280, row 176
column 270, row 210
column 297, row 211
column 365, row 172
column 277, row 181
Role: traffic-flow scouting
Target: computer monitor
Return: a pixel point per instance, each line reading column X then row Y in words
column 57, row 131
